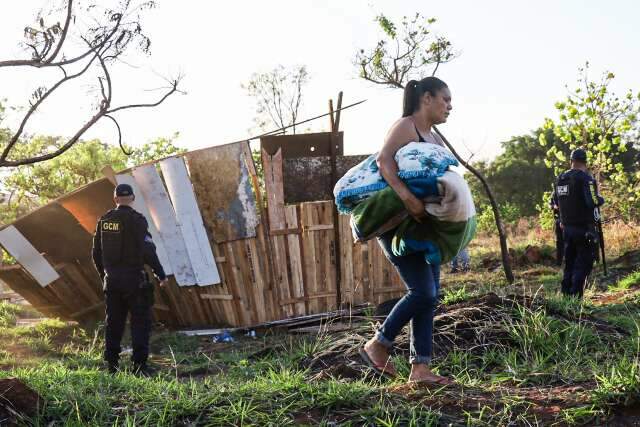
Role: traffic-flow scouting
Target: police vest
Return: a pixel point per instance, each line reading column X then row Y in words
column 571, row 198
column 118, row 237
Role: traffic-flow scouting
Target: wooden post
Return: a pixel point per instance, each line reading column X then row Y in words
column 335, row 123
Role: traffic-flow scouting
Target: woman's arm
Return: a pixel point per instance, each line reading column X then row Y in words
column 400, row 134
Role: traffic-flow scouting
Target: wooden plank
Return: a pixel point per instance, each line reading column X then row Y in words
column 307, row 298
column 224, row 190
column 310, row 257
column 190, row 220
column 346, row 259
column 76, row 279
column 295, row 259
column 233, row 309
column 217, row 296
column 281, row 273
column 25, row 285
column 140, row 205
column 238, row 286
column 273, row 311
column 165, row 220
column 24, row 252
column 272, row 167
column 260, row 282
column 319, row 227
column 86, row 310
column 285, row 232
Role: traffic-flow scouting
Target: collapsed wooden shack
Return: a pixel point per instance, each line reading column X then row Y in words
column 236, row 255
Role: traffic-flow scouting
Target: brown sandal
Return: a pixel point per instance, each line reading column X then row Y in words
column 387, row 370
column 437, row 380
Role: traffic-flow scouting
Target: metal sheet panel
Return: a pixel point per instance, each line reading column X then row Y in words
column 188, row 215
column 223, row 189
column 164, row 218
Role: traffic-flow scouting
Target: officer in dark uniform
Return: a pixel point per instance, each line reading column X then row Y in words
column 121, row 247
column 576, row 202
column 555, row 208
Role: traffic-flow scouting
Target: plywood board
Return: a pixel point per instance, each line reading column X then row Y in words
column 30, row 259
column 190, row 221
column 224, row 191
column 89, row 203
column 140, row 205
column 55, row 233
column 164, row 217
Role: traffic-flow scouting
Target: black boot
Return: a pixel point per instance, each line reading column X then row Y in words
column 141, row 369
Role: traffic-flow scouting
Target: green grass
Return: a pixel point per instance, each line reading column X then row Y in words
column 199, row 383
column 8, row 314
column 632, row 279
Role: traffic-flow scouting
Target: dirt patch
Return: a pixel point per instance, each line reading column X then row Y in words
column 543, row 403
column 18, row 402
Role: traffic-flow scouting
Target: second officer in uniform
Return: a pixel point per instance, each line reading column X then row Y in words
column 577, row 203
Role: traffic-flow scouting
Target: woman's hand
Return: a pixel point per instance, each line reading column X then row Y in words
column 415, row 207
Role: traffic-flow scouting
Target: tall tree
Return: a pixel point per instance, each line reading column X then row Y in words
column 278, row 95
column 90, row 40
column 409, row 53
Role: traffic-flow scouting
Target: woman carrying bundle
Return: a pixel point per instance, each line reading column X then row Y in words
column 426, row 103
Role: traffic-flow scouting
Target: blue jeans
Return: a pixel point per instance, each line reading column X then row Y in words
column 463, row 258
column 417, row 305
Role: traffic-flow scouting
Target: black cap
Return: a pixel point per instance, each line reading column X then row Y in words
column 123, row 190
column 579, row 154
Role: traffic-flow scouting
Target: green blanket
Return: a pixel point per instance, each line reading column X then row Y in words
column 449, row 226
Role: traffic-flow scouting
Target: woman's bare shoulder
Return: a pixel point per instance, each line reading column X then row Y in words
column 403, row 130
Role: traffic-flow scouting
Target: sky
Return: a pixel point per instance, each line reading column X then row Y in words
column 515, row 58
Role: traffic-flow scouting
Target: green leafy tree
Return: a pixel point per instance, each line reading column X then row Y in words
column 157, row 149
column 29, row 186
column 408, row 50
column 606, row 125
column 519, row 175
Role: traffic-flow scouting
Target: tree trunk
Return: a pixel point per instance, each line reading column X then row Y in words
column 506, row 263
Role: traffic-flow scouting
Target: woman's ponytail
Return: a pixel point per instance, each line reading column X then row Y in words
column 414, row 90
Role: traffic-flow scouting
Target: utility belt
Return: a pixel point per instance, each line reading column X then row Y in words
column 143, row 287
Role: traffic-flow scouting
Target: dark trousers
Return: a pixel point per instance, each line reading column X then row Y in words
column 579, row 255
column 417, row 306
column 124, row 296
column 559, row 243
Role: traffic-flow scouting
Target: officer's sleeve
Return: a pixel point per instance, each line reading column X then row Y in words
column 96, row 251
column 149, row 249
column 553, row 202
column 588, row 195
column 151, row 257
